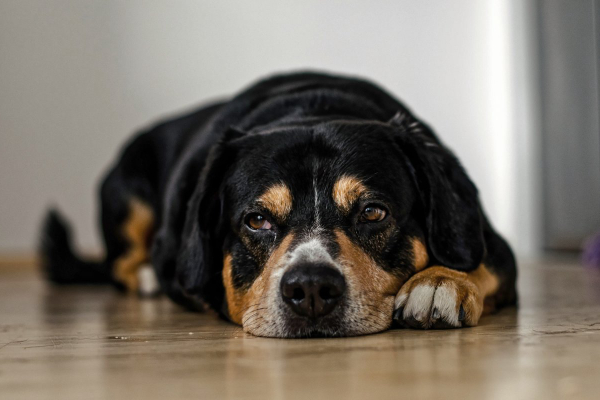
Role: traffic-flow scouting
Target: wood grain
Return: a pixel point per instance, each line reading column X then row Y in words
column 93, row 343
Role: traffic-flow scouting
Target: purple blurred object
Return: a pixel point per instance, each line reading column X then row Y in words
column 591, row 252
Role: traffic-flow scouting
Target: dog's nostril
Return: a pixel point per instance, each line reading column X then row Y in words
column 298, row 294
column 329, row 292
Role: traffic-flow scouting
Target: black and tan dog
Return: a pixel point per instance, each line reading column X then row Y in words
column 308, row 205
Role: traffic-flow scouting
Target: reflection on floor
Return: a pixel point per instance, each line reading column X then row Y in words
column 93, row 343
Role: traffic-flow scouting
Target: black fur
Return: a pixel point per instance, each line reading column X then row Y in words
column 200, row 171
column 59, row 262
column 453, row 221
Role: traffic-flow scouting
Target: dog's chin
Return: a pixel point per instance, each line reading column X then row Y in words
column 303, row 328
column 297, row 327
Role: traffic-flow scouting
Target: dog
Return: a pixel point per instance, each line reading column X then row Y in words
column 307, row 205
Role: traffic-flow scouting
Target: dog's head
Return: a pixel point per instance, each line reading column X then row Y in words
column 312, row 228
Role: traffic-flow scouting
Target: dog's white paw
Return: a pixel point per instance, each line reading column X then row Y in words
column 438, row 297
column 147, row 283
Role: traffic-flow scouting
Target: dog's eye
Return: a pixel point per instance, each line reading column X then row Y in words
column 372, row 214
column 257, row 222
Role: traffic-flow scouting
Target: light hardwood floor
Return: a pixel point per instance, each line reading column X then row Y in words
column 93, row 343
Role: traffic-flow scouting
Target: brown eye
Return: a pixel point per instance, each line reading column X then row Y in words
column 372, row 214
column 258, row 222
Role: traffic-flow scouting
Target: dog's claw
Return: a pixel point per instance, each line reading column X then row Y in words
column 461, row 314
column 435, row 314
column 397, row 317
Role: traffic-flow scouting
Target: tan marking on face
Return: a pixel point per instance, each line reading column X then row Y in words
column 136, row 231
column 470, row 289
column 420, row 257
column 346, row 191
column 278, row 200
column 240, row 301
column 234, row 296
column 372, row 290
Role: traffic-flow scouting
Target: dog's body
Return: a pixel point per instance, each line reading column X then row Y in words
column 307, row 205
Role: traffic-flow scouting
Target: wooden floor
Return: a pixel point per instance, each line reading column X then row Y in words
column 92, row 343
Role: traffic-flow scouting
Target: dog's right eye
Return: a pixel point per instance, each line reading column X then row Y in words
column 258, row 222
column 373, row 213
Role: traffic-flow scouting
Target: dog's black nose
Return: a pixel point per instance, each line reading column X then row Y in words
column 312, row 290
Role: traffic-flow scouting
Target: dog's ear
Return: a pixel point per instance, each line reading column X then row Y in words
column 187, row 249
column 452, row 211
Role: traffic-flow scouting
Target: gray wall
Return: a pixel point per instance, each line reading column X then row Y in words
column 78, row 77
column 569, row 44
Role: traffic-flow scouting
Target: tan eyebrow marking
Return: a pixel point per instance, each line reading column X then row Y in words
column 278, row 200
column 346, row 191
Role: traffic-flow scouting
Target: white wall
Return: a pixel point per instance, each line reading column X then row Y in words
column 77, row 77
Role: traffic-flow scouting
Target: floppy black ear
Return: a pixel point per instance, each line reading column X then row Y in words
column 453, row 214
column 187, row 249
column 200, row 258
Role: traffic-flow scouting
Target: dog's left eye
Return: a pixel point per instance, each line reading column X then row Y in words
column 372, row 214
column 257, row 222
